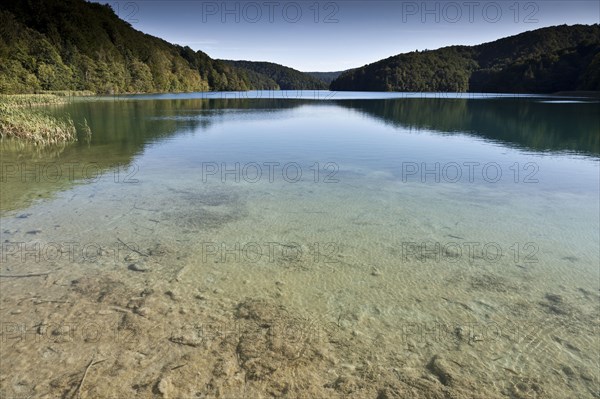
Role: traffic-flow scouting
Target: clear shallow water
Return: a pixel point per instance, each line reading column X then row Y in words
column 385, row 215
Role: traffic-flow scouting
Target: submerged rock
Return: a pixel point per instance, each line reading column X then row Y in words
column 441, row 370
column 165, row 387
column 137, row 267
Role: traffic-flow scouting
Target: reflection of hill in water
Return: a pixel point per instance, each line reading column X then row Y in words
column 128, row 125
column 120, row 131
column 521, row 123
column 122, row 128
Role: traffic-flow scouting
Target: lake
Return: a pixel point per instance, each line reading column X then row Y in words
column 322, row 244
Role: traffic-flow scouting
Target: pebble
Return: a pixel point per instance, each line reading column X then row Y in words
column 554, row 298
column 141, row 311
column 376, row 272
column 475, row 338
column 459, row 332
column 136, row 267
column 587, row 376
column 172, row 294
column 568, row 371
column 451, row 252
column 165, row 387
column 356, row 333
column 441, row 370
column 132, row 257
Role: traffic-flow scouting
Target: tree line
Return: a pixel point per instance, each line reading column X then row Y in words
column 75, row 45
column 559, row 58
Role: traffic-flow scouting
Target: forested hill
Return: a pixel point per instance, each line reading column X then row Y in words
column 75, row 45
column 559, row 58
column 287, row 78
column 326, row 77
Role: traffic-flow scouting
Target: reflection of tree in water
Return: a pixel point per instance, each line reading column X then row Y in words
column 523, row 123
column 121, row 129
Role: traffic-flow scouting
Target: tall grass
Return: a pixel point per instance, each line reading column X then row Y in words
column 21, row 119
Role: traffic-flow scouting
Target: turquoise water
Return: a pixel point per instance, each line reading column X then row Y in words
column 384, row 214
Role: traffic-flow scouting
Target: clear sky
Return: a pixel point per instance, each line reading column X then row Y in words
column 312, row 35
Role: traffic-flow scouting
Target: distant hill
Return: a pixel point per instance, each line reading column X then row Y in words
column 287, row 78
column 326, row 77
column 76, row 45
column 559, row 58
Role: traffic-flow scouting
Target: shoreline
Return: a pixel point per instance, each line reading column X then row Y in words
column 586, row 94
column 20, row 120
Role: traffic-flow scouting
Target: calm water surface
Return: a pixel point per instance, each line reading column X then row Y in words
column 387, row 215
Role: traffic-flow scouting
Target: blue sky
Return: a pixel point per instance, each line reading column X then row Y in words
column 325, row 35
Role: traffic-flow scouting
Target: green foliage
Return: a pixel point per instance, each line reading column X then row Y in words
column 326, row 77
column 591, row 77
column 560, row 58
column 76, row 45
column 286, row 78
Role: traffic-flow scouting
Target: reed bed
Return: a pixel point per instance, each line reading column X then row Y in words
column 21, row 119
